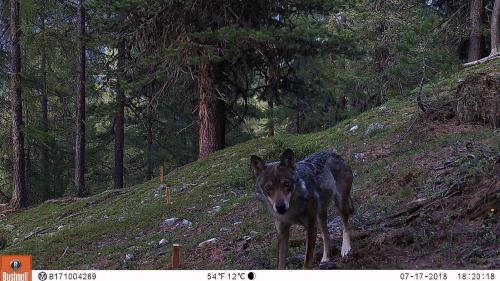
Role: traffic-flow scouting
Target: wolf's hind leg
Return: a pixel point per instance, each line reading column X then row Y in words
column 343, row 203
column 346, row 236
column 344, row 208
column 322, row 222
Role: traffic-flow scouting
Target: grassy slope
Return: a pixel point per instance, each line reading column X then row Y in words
column 401, row 164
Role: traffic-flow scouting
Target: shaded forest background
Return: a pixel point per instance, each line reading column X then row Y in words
column 111, row 90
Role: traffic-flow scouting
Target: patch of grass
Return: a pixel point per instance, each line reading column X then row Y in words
column 404, row 192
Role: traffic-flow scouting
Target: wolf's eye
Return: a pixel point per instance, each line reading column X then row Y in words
column 288, row 185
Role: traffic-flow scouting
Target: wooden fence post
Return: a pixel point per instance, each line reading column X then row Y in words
column 168, row 195
column 176, row 256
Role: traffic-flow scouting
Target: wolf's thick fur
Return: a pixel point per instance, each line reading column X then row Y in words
column 301, row 194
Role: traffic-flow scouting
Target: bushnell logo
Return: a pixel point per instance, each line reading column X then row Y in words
column 15, row 268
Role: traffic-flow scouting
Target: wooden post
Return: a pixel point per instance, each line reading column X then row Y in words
column 176, row 256
column 168, row 195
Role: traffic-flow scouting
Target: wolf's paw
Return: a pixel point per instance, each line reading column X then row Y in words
column 346, row 248
column 325, row 259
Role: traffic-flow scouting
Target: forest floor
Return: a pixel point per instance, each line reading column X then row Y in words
column 426, row 193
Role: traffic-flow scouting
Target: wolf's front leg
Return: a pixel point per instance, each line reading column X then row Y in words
column 310, row 244
column 283, row 239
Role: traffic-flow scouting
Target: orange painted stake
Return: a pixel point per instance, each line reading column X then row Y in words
column 161, row 174
column 176, row 256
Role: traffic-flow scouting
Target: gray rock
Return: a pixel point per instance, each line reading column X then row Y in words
column 215, row 209
column 170, row 221
column 61, row 227
column 129, row 256
column 162, row 242
column 186, row 223
column 359, row 156
column 372, row 128
column 160, row 190
column 237, row 222
column 353, row 129
column 208, row 242
column 9, row 227
column 224, row 229
column 247, row 238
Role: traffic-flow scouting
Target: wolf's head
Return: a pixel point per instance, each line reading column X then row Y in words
column 275, row 182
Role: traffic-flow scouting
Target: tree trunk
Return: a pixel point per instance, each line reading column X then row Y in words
column 476, row 19
column 272, row 91
column 119, row 118
column 27, row 162
column 298, row 114
column 211, row 112
column 270, row 116
column 150, row 153
column 19, row 194
column 44, row 151
column 495, row 29
column 272, row 87
column 80, row 104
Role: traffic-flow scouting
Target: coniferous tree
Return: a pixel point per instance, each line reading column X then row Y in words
column 19, row 194
column 119, row 118
column 495, row 29
column 44, row 110
column 80, row 103
column 475, row 40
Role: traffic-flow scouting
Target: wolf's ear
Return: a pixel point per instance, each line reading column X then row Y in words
column 257, row 164
column 287, row 160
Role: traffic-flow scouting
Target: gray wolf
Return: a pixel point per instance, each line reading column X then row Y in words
column 300, row 193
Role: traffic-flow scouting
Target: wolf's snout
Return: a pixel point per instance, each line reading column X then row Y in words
column 280, row 207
